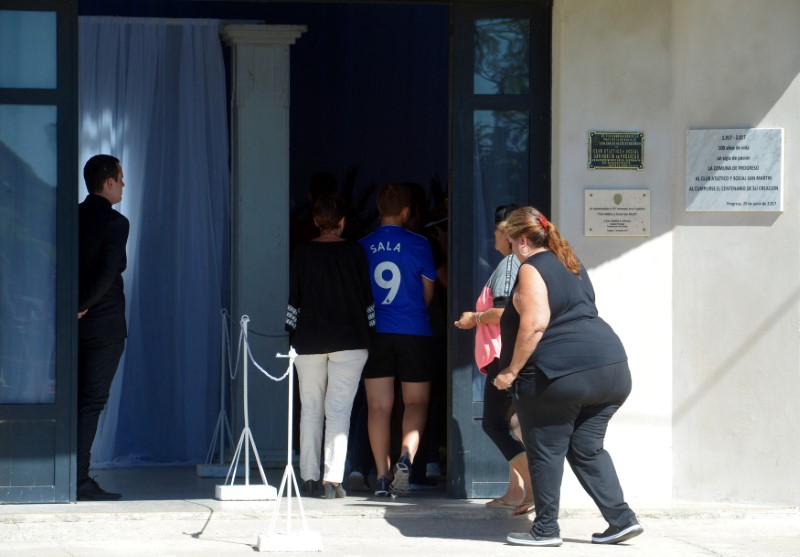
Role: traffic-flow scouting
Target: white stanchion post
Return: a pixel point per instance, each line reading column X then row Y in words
column 289, row 541
column 222, row 431
column 246, row 492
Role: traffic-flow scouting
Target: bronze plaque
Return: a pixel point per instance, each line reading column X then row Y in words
column 616, row 150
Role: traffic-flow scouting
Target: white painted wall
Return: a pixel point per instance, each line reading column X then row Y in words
column 708, row 305
column 611, row 72
column 736, row 378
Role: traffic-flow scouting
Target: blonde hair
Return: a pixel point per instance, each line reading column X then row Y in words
column 531, row 223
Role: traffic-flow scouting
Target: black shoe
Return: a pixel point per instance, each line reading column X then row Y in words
column 615, row 534
column 91, row 491
column 311, row 488
column 357, row 481
column 382, row 487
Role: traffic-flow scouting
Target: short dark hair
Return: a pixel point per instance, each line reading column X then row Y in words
column 502, row 212
column 98, row 169
column 392, row 199
column 328, row 212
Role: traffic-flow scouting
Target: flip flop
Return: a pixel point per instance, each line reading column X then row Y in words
column 523, row 509
column 500, row 503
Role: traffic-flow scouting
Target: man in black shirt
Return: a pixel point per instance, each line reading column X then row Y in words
column 102, row 237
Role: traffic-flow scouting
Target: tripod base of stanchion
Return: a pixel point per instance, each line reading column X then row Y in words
column 258, row 492
column 216, row 471
column 275, row 542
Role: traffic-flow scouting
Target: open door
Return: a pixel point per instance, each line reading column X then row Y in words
column 500, row 154
column 38, row 216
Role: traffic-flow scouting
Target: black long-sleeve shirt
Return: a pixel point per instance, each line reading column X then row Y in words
column 330, row 298
column 102, row 237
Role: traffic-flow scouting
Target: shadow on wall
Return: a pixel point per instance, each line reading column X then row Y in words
column 731, row 363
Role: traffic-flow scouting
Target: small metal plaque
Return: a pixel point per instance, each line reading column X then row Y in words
column 616, row 150
column 616, row 213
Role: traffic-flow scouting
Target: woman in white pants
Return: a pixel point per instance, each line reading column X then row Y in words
column 328, row 384
column 329, row 317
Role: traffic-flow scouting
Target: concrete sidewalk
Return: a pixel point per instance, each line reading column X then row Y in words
column 171, row 512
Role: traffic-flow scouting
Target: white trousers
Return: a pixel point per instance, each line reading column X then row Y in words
column 327, row 385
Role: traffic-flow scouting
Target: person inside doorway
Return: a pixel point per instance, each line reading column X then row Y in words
column 330, row 315
column 403, row 275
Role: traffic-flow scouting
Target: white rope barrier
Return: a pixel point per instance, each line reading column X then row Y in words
column 255, row 363
column 246, row 442
column 233, row 369
column 272, row 540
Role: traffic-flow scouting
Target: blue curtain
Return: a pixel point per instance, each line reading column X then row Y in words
column 152, row 93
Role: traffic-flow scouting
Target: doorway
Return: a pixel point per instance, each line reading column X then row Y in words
column 494, row 131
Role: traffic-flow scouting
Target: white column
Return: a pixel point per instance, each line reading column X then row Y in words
column 260, row 216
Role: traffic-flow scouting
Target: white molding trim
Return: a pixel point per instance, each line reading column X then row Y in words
column 266, row 35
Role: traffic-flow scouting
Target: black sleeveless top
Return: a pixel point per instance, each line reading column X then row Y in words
column 576, row 339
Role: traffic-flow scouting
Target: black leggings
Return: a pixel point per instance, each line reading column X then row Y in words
column 496, row 413
column 567, row 418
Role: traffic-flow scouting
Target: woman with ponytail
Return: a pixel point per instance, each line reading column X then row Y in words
column 568, row 374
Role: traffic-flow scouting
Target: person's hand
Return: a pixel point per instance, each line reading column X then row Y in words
column 468, row 320
column 504, row 379
column 82, row 313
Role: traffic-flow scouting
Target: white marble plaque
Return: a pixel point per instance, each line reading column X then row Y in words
column 734, row 170
column 616, row 213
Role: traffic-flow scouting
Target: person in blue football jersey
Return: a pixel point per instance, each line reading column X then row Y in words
column 402, row 274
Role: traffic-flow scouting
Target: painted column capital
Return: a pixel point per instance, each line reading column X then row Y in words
column 261, row 35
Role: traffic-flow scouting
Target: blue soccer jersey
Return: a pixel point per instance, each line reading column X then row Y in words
column 398, row 261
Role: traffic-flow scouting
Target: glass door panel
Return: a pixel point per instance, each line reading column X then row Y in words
column 501, row 176
column 27, row 254
column 502, row 56
column 27, row 49
column 501, row 155
column 38, row 249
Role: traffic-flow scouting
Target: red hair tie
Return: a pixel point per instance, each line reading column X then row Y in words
column 543, row 220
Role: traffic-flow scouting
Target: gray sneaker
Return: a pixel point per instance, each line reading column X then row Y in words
column 526, row 538
column 402, row 470
column 614, row 534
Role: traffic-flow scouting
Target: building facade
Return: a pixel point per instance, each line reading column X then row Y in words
column 706, row 302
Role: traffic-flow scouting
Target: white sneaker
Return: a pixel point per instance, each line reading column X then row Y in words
column 526, row 538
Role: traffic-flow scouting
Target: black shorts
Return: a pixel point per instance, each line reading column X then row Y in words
column 407, row 357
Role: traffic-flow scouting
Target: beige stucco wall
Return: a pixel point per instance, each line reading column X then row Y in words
column 736, row 419
column 708, row 305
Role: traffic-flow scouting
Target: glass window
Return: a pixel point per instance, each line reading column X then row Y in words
column 502, row 57
column 501, row 168
column 27, row 254
column 27, row 49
